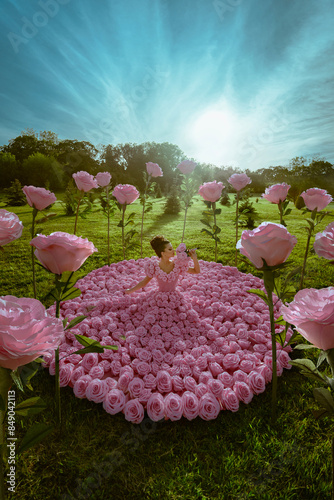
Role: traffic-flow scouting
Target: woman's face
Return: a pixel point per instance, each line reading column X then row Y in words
column 168, row 251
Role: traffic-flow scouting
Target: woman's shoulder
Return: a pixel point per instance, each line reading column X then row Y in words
column 150, row 265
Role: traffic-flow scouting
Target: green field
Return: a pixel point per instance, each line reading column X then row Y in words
column 237, row 456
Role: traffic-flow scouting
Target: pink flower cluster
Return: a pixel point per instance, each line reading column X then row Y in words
column 191, row 352
column 10, row 227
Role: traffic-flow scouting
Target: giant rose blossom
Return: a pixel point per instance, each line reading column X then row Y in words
column 39, row 198
column 186, row 166
column 153, row 169
column 60, row 252
column 312, row 313
column 125, row 193
column 211, row 191
column 103, row 179
column 10, row 227
column 324, row 242
column 276, row 193
column 84, row 181
column 271, row 242
column 316, row 198
column 239, row 181
column 26, row 331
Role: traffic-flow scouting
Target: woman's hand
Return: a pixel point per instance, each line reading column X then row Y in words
column 192, row 253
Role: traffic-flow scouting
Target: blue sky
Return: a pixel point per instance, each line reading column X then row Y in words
column 247, row 83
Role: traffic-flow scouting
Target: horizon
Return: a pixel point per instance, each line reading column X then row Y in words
column 231, row 83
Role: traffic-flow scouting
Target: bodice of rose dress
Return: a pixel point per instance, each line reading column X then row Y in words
column 166, row 281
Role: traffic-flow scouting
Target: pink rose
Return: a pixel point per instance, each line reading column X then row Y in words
column 153, row 169
column 84, row 181
column 239, row 181
column 257, row 382
column 269, row 241
column 316, row 198
column 190, row 405
column 276, row 193
column 60, row 252
column 125, row 193
column 114, row 401
column 103, row 179
column 230, row 400
column 39, row 198
column 209, row 407
column 89, row 360
column 186, row 166
column 211, row 191
column 81, row 385
column 324, row 242
column 156, row 407
column 135, row 387
column 243, row 392
column 134, row 411
column 97, row 390
column 173, row 406
column 312, row 313
column 164, row 381
column 10, row 227
column 26, row 331
column 65, row 373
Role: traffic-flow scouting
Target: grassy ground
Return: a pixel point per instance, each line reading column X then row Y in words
column 237, row 456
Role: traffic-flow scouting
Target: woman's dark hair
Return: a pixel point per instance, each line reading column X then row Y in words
column 158, row 244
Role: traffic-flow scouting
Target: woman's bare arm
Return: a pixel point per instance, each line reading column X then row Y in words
column 139, row 285
column 196, row 269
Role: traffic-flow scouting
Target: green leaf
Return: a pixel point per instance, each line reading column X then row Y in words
column 308, row 368
column 85, row 350
column 206, row 231
column 216, row 229
column 205, row 222
column 259, row 293
column 324, row 398
column 34, row 435
column 218, row 211
column 301, row 347
column 75, row 322
column 280, row 321
column 120, row 224
column 321, row 358
column 292, row 273
column 207, row 213
column 310, row 222
column 71, row 294
column 30, row 406
column 287, row 212
column 17, row 379
column 320, row 413
column 27, row 372
column 87, row 342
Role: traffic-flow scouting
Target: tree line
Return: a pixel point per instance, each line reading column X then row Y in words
column 41, row 159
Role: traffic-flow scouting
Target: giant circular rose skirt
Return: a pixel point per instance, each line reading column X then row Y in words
column 192, row 352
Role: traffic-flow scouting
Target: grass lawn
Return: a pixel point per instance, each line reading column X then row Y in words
column 237, row 456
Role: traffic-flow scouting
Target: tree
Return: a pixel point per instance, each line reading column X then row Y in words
column 42, row 171
column 8, row 169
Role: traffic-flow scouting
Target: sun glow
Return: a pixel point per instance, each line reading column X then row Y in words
column 214, row 135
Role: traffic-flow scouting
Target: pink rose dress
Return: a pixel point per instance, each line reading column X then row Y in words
column 189, row 345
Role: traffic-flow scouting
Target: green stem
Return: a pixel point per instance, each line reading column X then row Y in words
column 269, row 284
column 214, row 221
column 184, row 222
column 332, row 468
column 58, row 405
column 77, row 212
column 108, row 215
column 236, row 229
column 280, row 208
column 5, row 383
column 142, row 217
column 34, row 213
column 305, row 259
column 123, row 217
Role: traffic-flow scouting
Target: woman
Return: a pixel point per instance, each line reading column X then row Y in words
column 188, row 351
column 171, row 268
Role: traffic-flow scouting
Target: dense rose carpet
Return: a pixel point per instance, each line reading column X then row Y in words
column 195, row 351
